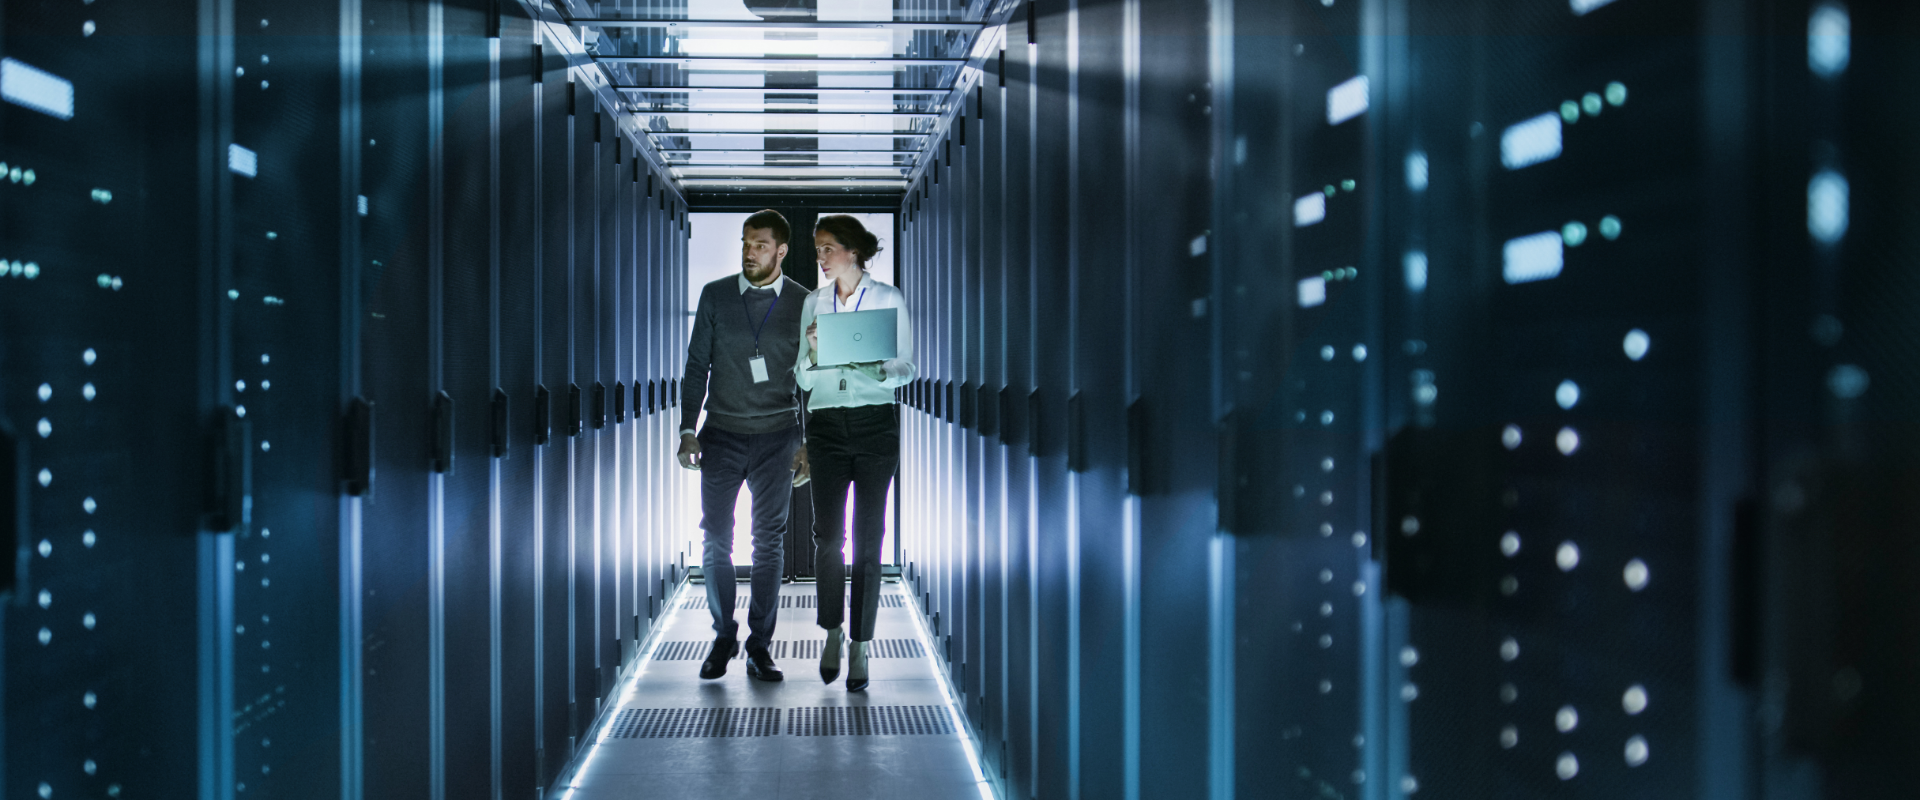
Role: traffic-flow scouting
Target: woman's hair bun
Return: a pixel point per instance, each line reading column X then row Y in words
column 851, row 234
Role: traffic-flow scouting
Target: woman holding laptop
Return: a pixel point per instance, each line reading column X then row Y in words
column 853, row 431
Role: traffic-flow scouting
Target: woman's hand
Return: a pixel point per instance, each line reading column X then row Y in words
column 802, row 471
column 813, row 340
column 876, row 370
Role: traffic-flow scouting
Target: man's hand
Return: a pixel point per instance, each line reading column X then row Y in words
column 802, row 471
column 689, row 451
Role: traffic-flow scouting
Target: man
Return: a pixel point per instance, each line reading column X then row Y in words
column 745, row 329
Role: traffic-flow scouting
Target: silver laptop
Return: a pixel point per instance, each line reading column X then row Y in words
column 855, row 337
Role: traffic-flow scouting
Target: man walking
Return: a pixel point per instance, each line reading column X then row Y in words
column 746, row 329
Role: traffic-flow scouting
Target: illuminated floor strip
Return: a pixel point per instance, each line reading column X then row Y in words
column 888, row 749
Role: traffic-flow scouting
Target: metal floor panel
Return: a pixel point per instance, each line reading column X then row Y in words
column 675, row 733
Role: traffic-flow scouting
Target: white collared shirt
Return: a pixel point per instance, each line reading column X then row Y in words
column 824, row 385
column 777, row 283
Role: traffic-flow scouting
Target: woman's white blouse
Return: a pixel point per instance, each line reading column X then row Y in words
column 825, row 387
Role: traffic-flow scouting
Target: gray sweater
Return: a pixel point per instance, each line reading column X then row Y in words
column 721, row 345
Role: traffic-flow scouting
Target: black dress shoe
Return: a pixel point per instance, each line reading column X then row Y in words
column 716, row 664
column 830, row 656
column 760, row 666
column 857, row 668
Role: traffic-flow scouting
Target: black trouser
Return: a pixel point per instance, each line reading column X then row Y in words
column 764, row 461
column 858, row 446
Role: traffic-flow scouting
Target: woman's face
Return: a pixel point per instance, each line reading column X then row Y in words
column 834, row 258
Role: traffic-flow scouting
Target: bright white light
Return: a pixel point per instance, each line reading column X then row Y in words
column 1566, row 719
column 1567, row 557
column 1567, row 394
column 35, row 88
column 1566, row 767
column 363, row 205
column 1309, row 209
column 1567, row 440
column 1313, row 291
column 1348, row 100
column 242, row 160
column 1636, row 575
column 1636, row 750
column 947, row 694
column 786, row 47
column 1533, row 258
column 1417, row 170
column 1509, row 544
column 1636, row 344
column 1634, row 700
column 1829, row 40
column 1510, row 436
column 1581, row 7
column 1827, row 206
column 1415, row 266
column 1530, row 142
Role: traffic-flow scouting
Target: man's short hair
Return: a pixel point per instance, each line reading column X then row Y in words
column 770, row 220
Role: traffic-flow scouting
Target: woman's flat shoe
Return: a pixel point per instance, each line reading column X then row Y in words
column 830, row 657
column 857, row 669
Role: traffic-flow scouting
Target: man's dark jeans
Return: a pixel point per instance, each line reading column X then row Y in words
column 858, row 446
column 764, row 461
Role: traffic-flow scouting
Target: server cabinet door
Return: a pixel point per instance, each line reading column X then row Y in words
column 105, row 406
column 294, row 221
column 1555, row 501
column 396, row 358
column 1297, row 349
column 469, row 352
column 1170, row 436
column 518, row 552
column 554, row 476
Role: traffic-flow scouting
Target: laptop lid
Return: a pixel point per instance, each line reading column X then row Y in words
column 854, row 337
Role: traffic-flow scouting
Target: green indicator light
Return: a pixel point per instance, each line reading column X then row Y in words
column 1329, row 190
column 14, row 175
column 272, row 236
column 104, row 280
column 1610, row 227
column 32, row 270
column 1574, row 233
column 3, row 167
column 28, row 178
column 1616, row 94
column 232, row 294
column 1570, row 111
column 1347, row 185
column 1326, row 276
column 1352, row 273
column 1590, row 104
column 102, row 196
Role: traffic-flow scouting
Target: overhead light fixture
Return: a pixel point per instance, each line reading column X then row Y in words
column 847, row 48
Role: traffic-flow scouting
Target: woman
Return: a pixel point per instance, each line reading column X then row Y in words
column 853, row 437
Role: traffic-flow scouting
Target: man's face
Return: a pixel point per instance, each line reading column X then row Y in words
column 760, row 256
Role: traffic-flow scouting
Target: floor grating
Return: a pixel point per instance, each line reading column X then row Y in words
column 813, row 601
column 801, row 649
column 869, row 721
column 695, row 723
column 728, row 723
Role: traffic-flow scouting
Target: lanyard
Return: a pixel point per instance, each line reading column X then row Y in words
column 856, row 303
column 763, row 318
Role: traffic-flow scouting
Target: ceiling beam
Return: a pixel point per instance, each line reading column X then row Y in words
column 791, row 64
column 608, row 22
column 827, row 92
column 912, row 114
column 789, row 134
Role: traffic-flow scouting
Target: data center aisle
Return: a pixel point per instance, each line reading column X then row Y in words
column 677, row 736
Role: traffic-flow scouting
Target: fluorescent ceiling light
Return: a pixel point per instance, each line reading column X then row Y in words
column 853, row 48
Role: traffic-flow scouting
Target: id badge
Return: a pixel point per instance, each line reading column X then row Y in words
column 759, row 366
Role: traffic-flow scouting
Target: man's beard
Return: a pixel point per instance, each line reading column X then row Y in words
column 756, row 273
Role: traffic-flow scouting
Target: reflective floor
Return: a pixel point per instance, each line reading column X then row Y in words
column 674, row 735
